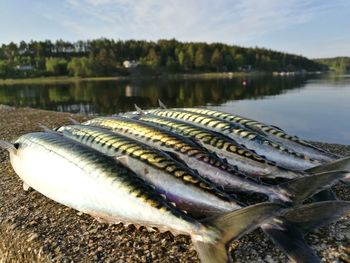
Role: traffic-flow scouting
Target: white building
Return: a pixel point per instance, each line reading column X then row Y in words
column 130, row 64
column 24, row 67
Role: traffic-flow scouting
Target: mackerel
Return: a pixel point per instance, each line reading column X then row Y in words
column 278, row 229
column 273, row 151
column 84, row 179
column 271, row 132
column 212, row 167
column 246, row 160
column 179, row 183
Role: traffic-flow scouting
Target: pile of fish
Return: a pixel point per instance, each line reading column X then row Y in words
column 211, row 175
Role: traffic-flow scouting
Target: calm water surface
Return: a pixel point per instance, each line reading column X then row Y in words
column 312, row 108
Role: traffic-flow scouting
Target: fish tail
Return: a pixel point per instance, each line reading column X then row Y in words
column 340, row 164
column 301, row 188
column 231, row 226
column 325, row 195
column 8, row 146
column 73, row 121
column 161, row 104
column 288, row 232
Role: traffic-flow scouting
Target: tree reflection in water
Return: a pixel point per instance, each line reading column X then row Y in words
column 108, row 97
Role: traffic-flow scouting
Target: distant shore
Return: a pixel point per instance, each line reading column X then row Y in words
column 68, row 79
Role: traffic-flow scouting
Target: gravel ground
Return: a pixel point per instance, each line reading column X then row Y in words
column 34, row 228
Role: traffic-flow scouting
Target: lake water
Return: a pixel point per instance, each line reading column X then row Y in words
column 312, row 108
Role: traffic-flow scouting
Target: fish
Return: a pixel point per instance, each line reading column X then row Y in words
column 274, row 133
column 246, row 160
column 273, row 151
column 179, row 183
column 224, row 128
column 82, row 178
column 211, row 167
column 278, row 228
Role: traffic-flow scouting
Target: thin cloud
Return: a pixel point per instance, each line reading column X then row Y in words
column 241, row 22
column 203, row 20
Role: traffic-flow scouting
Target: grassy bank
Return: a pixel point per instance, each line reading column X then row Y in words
column 67, row 79
column 49, row 80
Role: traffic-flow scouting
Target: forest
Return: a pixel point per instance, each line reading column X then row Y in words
column 337, row 64
column 105, row 57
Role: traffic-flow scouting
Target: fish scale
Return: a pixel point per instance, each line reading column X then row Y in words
column 168, row 140
column 212, row 167
column 136, row 150
column 253, row 141
column 246, row 160
column 272, row 132
column 171, row 141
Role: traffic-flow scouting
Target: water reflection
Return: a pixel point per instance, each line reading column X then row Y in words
column 107, row 97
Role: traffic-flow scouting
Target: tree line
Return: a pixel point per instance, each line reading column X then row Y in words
column 337, row 64
column 105, row 57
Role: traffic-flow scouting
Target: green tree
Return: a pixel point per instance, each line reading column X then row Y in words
column 229, row 62
column 153, row 58
column 200, row 60
column 80, row 67
column 216, row 60
column 5, row 71
column 184, row 60
column 239, row 60
column 56, row 66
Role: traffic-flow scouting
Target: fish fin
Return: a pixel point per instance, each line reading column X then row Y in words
column 288, row 232
column 314, row 215
column 47, row 129
column 212, row 253
column 301, row 188
column 346, row 181
column 342, row 164
column 288, row 239
column 161, row 104
column 10, row 147
column 44, row 127
column 325, row 195
column 277, row 128
column 73, row 121
column 233, row 225
column 139, row 110
column 124, row 160
column 128, row 115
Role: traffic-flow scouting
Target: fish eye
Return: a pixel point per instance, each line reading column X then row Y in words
column 16, row 145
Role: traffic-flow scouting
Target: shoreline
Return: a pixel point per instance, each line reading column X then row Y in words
column 68, row 79
column 202, row 75
column 36, row 229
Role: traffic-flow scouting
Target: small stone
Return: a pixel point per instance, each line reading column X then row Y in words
column 32, row 237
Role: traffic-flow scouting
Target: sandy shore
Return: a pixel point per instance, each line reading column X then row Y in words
column 35, row 229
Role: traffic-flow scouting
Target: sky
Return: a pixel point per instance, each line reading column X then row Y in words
column 312, row 28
